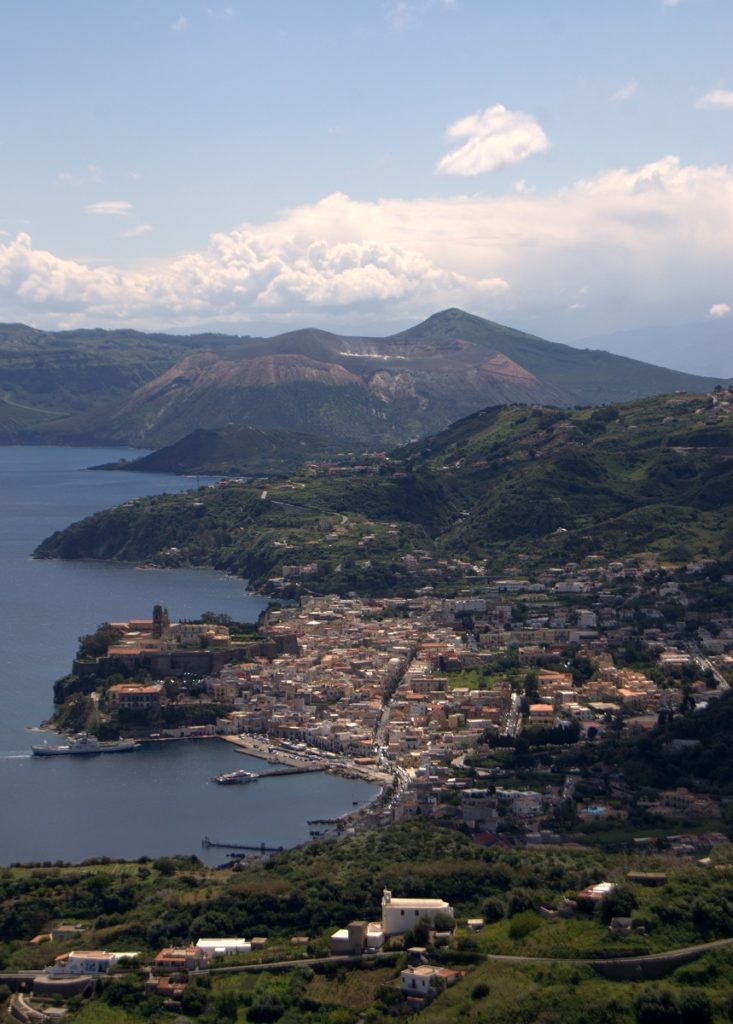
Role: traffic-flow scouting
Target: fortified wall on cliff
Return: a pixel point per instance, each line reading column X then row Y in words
column 167, row 649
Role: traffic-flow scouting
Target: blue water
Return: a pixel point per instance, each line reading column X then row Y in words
column 157, row 800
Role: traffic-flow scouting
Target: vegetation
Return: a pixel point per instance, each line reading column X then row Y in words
column 49, row 377
column 649, row 476
column 116, row 386
column 147, row 904
column 234, row 451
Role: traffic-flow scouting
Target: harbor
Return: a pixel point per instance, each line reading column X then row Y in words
column 307, row 759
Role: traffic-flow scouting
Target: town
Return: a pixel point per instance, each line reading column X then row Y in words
column 471, row 711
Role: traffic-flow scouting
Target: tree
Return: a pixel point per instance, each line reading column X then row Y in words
column 695, row 1008
column 618, row 903
column 226, row 1006
column 194, row 1000
column 94, row 645
column 655, row 1007
column 443, row 922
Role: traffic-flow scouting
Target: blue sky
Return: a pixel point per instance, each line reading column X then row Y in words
column 564, row 166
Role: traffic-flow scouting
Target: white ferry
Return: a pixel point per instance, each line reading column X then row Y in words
column 235, row 778
column 85, row 744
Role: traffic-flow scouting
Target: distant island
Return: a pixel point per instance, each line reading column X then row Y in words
column 152, row 390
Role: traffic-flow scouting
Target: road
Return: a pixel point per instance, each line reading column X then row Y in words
column 704, row 664
column 667, row 960
column 513, row 720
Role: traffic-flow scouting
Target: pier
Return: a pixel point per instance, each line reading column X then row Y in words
column 289, row 770
column 230, row 778
column 262, row 848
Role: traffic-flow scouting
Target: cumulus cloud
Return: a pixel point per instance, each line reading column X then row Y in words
column 626, row 92
column 109, row 208
column 716, row 99
column 651, row 241
column 495, row 137
column 139, row 229
column 719, row 309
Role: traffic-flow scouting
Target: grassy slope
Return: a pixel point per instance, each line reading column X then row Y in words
column 72, row 371
column 549, row 484
column 314, row 889
column 241, row 450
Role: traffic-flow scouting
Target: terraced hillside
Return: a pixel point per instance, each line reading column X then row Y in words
column 543, row 484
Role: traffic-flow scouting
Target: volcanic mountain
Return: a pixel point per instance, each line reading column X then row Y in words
column 380, row 391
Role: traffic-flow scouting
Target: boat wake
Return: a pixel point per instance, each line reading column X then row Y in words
column 15, row 757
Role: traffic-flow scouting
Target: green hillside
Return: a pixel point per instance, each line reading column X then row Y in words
column 592, row 376
column 46, row 375
column 518, row 967
column 147, row 390
column 235, row 450
column 548, row 485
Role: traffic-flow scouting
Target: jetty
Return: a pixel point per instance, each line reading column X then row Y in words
column 262, row 848
column 229, row 778
column 290, row 770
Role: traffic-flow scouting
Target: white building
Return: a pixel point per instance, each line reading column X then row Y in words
column 223, row 947
column 399, row 915
column 90, row 961
column 425, row 982
column 357, row 937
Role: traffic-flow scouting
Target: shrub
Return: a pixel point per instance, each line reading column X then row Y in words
column 493, row 910
column 695, row 1008
column 523, row 924
column 480, row 990
column 656, row 1007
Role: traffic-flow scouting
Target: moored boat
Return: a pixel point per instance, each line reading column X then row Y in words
column 85, row 744
column 233, row 778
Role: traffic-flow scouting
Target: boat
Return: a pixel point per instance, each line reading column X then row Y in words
column 85, row 744
column 235, row 778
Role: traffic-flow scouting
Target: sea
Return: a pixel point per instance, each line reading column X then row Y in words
column 159, row 800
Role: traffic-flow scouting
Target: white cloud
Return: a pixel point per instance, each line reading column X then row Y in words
column 671, row 3
column 180, row 24
column 626, row 92
column 719, row 309
column 139, row 229
column 495, row 137
column 67, row 178
column 405, row 13
column 641, row 243
column 93, row 174
column 716, row 99
column 110, row 208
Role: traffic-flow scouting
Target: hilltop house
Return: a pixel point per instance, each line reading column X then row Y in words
column 88, row 962
column 424, row 982
column 399, row 915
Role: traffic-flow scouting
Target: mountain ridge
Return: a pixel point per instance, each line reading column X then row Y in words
column 152, row 390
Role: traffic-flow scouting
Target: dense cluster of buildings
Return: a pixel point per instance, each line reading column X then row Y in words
column 407, row 688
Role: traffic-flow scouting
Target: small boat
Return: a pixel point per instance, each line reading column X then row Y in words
column 235, row 778
column 85, row 745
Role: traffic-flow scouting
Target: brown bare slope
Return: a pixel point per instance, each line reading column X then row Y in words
column 379, row 391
